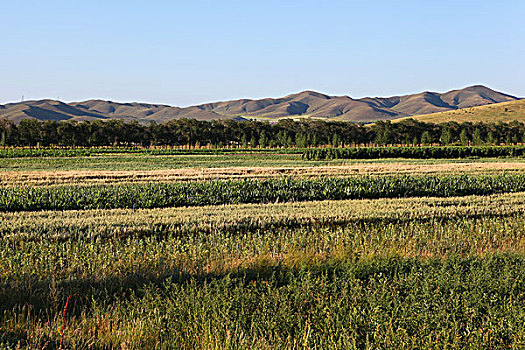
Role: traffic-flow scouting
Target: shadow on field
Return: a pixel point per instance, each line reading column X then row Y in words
column 46, row 298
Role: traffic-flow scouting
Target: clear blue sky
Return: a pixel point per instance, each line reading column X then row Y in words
column 187, row 52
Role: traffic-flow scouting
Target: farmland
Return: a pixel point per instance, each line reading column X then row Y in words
column 261, row 251
column 414, row 152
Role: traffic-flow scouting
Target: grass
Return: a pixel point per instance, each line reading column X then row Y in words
column 95, row 223
column 294, row 275
column 505, row 112
column 134, row 162
column 145, row 162
column 391, row 303
column 286, row 272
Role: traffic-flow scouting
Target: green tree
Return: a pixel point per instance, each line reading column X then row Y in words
column 490, row 138
column 263, row 140
column 253, row 142
column 315, row 140
column 425, row 138
column 282, row 138
column 446, row 136
column 476, row 138
column 383, row 130
column 335, row 140
column 244, row 141
column 463, row 137
column 301, row 140
column 289, row 141
column 381, row 138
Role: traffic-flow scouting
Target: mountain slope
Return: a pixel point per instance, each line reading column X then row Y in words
column 504, row 112
column 306, row 104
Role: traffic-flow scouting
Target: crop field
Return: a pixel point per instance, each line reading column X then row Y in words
column 261, row 251
column 429, row 152
column 82, row 177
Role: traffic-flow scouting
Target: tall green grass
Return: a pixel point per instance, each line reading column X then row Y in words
column 379, row 303
column 157, row 195
column 388, row 273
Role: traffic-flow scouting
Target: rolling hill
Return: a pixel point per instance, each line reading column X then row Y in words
column 306, row 104
column 504, row 112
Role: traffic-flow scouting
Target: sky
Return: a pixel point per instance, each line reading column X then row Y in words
column 188, row 52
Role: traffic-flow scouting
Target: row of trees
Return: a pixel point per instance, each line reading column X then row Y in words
column 229, row 133
column 413, row 132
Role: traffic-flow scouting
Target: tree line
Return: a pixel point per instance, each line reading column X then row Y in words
column 251, row 134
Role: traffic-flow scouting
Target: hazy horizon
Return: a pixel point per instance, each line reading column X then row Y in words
column 187, row 54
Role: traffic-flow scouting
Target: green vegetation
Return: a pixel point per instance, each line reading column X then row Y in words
column 139, row 161
column 414, row 152
column 411, row 273
column 250, row 135
column 262, row 250
column 251, row 191
column 142, row 162
column 86, row 151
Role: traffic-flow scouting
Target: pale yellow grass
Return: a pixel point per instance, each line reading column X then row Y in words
column 505, row 112
column 46, row 178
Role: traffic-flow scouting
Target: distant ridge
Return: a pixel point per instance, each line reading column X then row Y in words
column 306, row 104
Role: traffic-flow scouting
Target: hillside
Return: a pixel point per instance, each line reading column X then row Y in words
column 499, row 112
column 306, row 104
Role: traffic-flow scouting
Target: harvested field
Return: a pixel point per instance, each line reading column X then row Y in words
column 46, row 178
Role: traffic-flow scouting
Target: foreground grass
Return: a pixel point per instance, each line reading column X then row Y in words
column 393, row 303
column 111, row 245
column 412, row 273
column 286, row 272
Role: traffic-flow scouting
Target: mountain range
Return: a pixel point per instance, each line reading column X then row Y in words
column 306, row 104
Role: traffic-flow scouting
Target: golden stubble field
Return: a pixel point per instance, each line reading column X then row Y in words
column 76, row 177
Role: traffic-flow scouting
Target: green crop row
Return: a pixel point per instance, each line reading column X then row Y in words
column 158, row 195
column 83, row 152
column 413, row 152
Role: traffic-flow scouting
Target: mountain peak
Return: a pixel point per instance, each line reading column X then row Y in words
column 307, row 103
column 477, row 87
column 310, row 93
